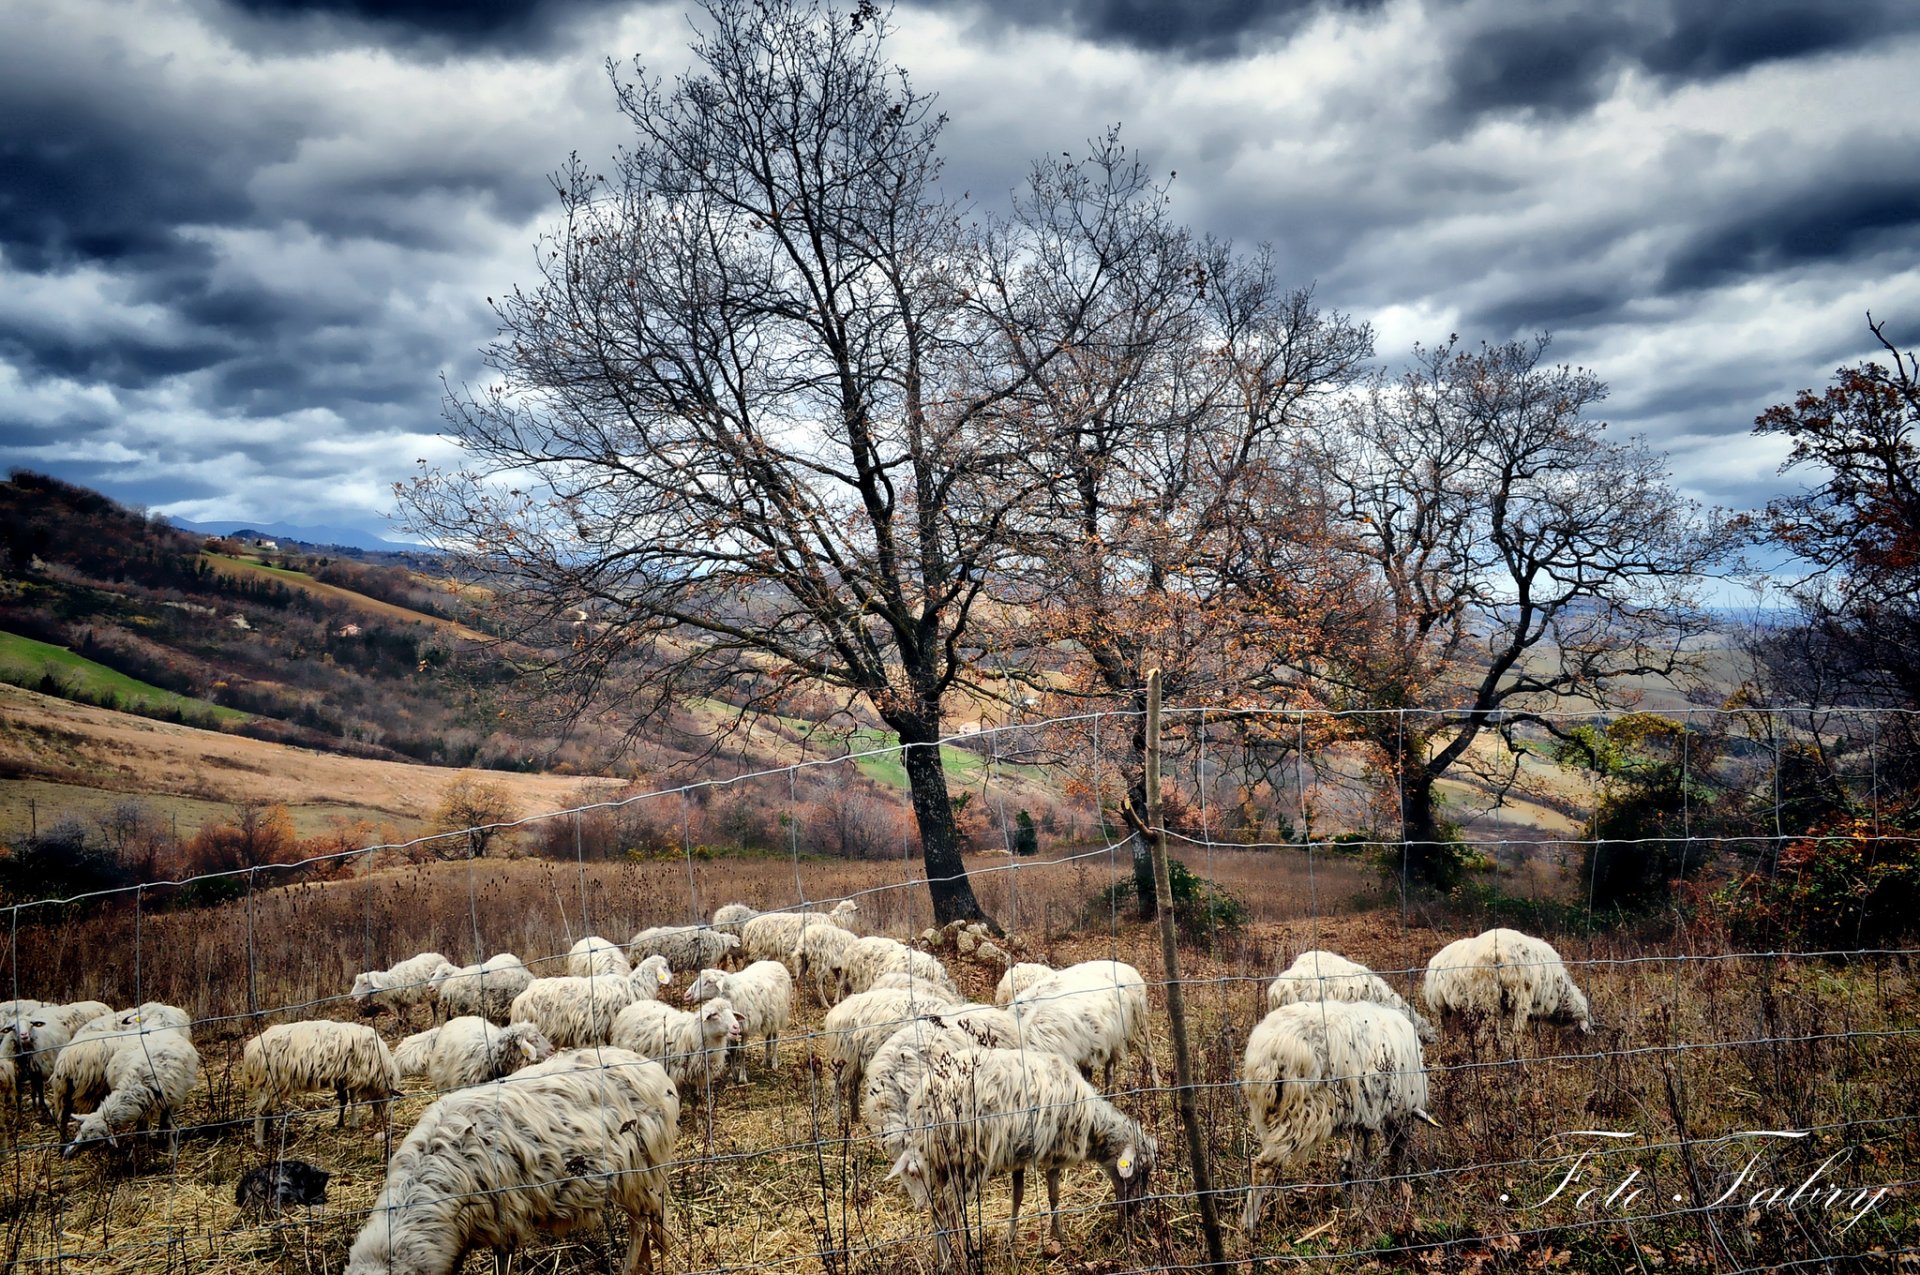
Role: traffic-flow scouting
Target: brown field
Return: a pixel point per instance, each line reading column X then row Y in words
column 1688, row 1047
column 245, row 569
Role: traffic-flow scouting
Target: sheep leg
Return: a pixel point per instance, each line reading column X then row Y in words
column 502, row 1261
column 1053, row 1202
column 1013, row 1225
column 340, row 1093
column 1250, row 1213
column 773, row 1049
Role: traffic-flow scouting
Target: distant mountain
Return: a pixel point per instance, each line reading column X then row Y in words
column 319, row 534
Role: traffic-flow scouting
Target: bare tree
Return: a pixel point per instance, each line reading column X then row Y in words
column 757, row 423
column 1520, row 560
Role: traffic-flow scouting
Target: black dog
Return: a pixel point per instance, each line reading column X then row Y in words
column 278, row 1185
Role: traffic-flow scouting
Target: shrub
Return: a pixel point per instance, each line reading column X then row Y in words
column 1848, row 885
column 1202, row 911
column 1026, row 838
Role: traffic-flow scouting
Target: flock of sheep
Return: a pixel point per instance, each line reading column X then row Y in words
column 562, row 1096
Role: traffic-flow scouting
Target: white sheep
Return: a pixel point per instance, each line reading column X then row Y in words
column 572, row 1012
column 650, row 978
column 932, row 993
column 1018, row 979
column 818, row 957
column 729, row 917
column 762, row 994
column 40, row 1034
column 1507, row 977
column 691, row 1045
column 486, row 989
column 773, row 936
column 11, row 1015
column 869, row 958
column 401, row 987
column 148, row 1077
column 857, row 1027
column 469, row 1050
column 542, row 1153
column 80, row 1068
column 1091, row 1013
column 982, row 1112
column 319, row 1055
column 895, row 1071
column 1316, row 1067
column 685, row 947
column 1327, row 976
column 595, row 956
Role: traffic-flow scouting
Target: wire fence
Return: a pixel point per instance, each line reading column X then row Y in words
column 1744, row 1097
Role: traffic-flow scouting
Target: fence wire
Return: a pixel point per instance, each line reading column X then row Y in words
column 1735, row 1106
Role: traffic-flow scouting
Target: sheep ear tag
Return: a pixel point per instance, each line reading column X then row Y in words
column 665, row 977
column 1124, row 1166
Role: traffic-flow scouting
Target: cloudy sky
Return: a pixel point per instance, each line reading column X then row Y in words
column 242, row 241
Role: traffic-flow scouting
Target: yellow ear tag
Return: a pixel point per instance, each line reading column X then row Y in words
column 665, row 977
column 1126, row 1166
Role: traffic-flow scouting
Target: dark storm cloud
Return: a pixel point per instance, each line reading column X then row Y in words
column 1205, row 29
column 1562, row 66
column 1852, row 216
column 1719, row 37
column 454, row 24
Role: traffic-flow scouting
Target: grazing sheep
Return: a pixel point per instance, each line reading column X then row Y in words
column 149, row 1075
column 649, row 978
column 894, row 1073
column 857, row 1027
column 691, row 1045
column 314, row 1056
column 595, row 956
column 685, row 947
column 932, row 993
column 1315, row 1067
column 80, row 1068
column 572, row 1012
column 402, row 987
column 762, row 994
column 469, row 1050
column 278, row 1185
column 1327, row 976
column 39, row 1036
column 773, row 936
column 869, row 958
column 1505, row 976
column 729, row 917
column 982, row 1112
column 540, row 1154
column 486, row 989
column 411, row 1055
column 820, row 952
column 1018, row 979
column 1091, row 1013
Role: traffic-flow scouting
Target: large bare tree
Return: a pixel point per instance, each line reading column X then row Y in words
column 759, row 418
column 1521, row 560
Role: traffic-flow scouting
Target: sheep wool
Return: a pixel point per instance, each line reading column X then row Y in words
column 80, row 1068
column 819, row 955
column 1092, row 1013
column 1316, row 1067
column 932, row 993
column 319, row 1055
column 652, row 976
column 685, row 947
column 572, row 1012
column 858, row 1026
column 983, row 1112
column 729, row 917
column 411, row 1054
column 11, row 1015
column 149, row 1076
column 594, row 956
column 869, row 958
column 542, row 1153
column 773, row 936
column 403, row 986
column 1019, row 978
column 1505, row 976
column 486, row 989
column 470, row 1050
column 762, row 994
column 1327, row 976
column 898, row 1067
column 691, row 1045
column 42, row 1033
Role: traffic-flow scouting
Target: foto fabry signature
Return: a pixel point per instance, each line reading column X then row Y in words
column 1583, row 1184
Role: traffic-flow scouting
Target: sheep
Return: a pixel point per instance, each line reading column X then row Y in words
column 11, row 1015
column 1327, row 976
column 932, row 993
column 486, row 989
column 867, row 959
column 1505, row 976
column 821, row 950
column 1315, row 1067
column 982, row 1112
column 686, row 947
column 80, row 1068
column 691, row 1045
column 772, row 936
column 1019, row 978
column 1091, row 1013
column 542, row 1153
column 729, row 917
column 896, row 1069
column 860, row 1024
column 763, row 995
column 649, row 978
column 412, row 1054
column 572, row 1012
column 149, row 1075
column 39, row 1036
column 316, row 1055
column 400, row 988
column 595, row 956
column 469, row 1050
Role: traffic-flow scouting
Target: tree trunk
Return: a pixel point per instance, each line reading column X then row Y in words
column 1430, row 857
column 1144, row 893
column 947, row 880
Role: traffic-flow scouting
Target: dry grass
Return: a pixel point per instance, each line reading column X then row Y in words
column 771, row 1178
